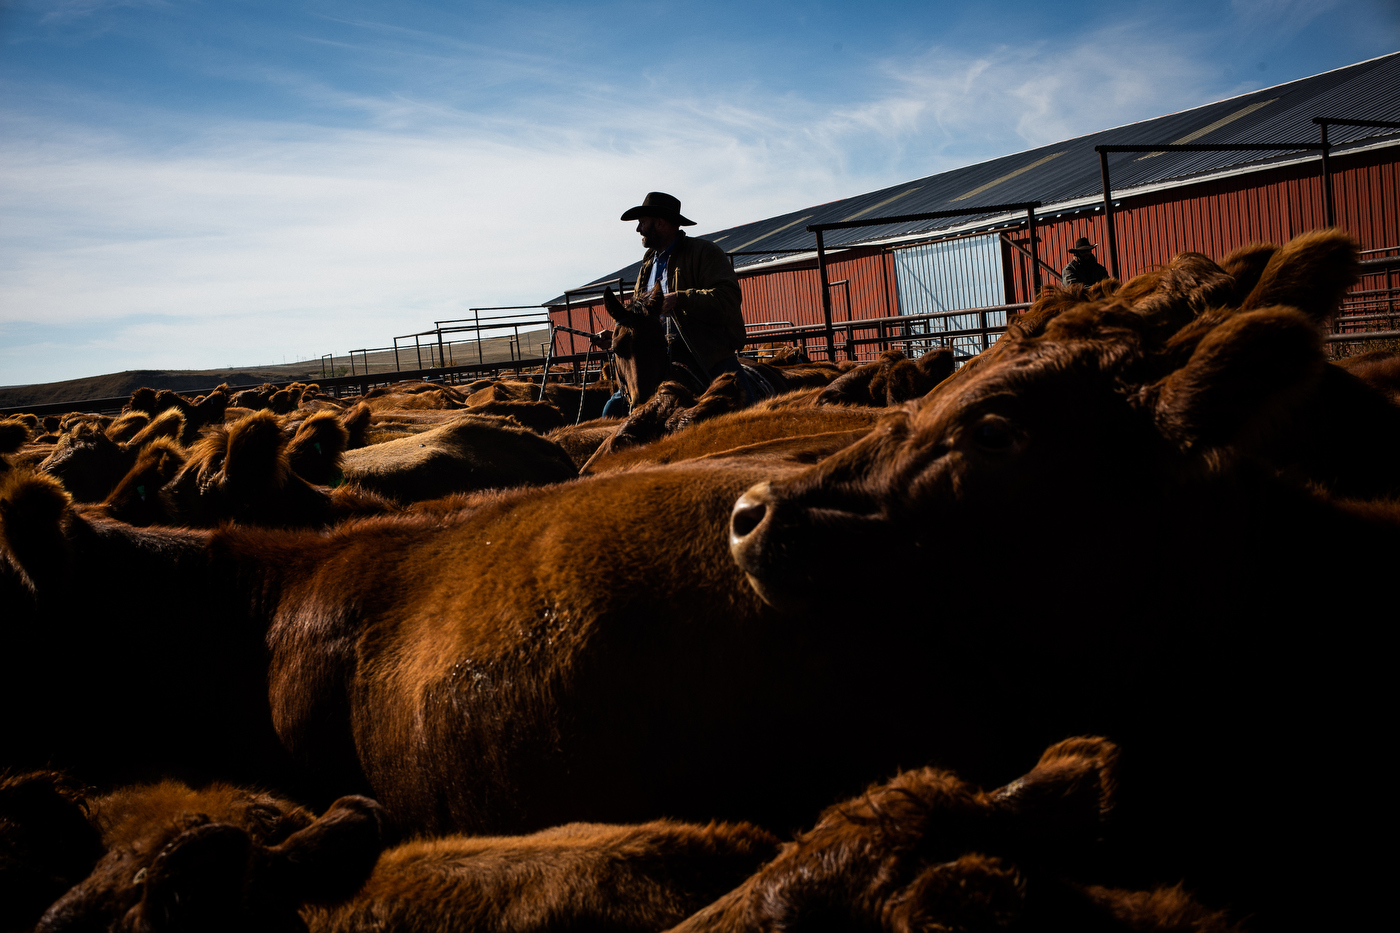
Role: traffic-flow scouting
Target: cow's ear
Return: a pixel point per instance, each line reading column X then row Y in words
column 256, row 457
column 1245, row 265
column 331, row 859
column 196, row 882
column 34, row 512
column 1311, row 273
column 314, row 452
column 1241, row 379
column 14, row 434
column 1069, row 792
column 356, row 422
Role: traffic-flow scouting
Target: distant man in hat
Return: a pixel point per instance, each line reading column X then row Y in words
column 704, row 326
column 1083, row 269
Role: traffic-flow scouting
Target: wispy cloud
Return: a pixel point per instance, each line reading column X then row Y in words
column 452, row 170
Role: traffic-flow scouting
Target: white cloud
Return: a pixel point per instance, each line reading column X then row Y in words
column 268, row 238
column 251, row 240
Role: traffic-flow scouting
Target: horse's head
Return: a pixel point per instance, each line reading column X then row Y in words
column 639, row 343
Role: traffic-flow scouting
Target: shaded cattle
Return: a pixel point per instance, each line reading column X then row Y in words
column 90, row 464
column 47, row 844
column 540, row 417
column 315, row 450
column 927, row 851
column 1379, row 369
column 218, row 859
column 124, row 662
column 243, row 472
column 738, row 429
column 14, row 434
column 469, row 453
column 207, row 409
column 890, row 380
column 125, row 427
column 611, row 879
column 1155, row 552
column 581, row 441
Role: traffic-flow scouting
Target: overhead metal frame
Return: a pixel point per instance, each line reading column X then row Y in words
column 820, row 229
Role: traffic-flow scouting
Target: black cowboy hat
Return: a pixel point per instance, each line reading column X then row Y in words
column 1082, row 245
column 657, row 204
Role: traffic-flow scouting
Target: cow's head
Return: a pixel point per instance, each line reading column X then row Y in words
column 218, row 859
column 1070, row 441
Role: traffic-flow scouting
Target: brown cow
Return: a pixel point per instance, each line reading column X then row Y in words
column 581, row 441
column 582, row 876
column 540, row 417
column 1123, row 473
column 469, row 453
column 927, row 851
column 90, row 463
column 47, row 843
column 219, row 859
column 890, row 380
column 242, row 472
column 766, row 421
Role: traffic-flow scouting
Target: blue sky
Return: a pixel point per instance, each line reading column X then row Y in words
column 205, row 184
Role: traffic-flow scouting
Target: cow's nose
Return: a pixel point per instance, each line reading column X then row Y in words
column 748, row 513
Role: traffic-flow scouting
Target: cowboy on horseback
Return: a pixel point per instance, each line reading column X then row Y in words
column 699, row 291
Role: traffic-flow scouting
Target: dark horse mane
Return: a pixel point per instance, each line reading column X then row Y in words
column 639, row 348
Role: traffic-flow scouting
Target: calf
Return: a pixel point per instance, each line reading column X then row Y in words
column 469, row 453
column 217, row 858
column 612, row 879
column 927, row 851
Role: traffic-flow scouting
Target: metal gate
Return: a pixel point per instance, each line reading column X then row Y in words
column 935, row 278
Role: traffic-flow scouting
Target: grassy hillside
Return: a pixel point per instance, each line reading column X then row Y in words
column 111, row 385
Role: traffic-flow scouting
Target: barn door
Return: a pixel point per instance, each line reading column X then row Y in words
column 944, row 277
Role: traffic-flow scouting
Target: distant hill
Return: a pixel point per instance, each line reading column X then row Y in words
column 116, row 384
column 112, row 385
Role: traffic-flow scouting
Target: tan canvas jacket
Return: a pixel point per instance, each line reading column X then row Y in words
column 707, row 297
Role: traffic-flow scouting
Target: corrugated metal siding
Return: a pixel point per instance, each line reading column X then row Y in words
column 794, row 295
column 1218, row 216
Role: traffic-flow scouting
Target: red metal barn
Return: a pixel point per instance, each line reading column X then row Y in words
column 907, row 274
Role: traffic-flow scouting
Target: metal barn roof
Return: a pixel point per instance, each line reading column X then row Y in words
column 1065, row 175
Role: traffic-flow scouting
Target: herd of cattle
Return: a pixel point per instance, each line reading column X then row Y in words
column 540, row 671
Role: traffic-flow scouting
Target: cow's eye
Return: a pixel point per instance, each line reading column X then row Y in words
column 993, row 435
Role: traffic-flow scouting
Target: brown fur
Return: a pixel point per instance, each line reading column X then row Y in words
column 315, row 451
column 220, row 858
column 47, row 844
column 927, row 851
column 1130, row 470
column 735, row 430
column 88, row 462
column 241, row 472
column 469, row 453
column 890, row 380
column 136, row 498
column 647, row 422
column 170, row 423
column 581, row 441
column 540, row 417
column 613, row 879
column 356, row 420
column 1311, row 273
column 1379, row 369
column 125, row 427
